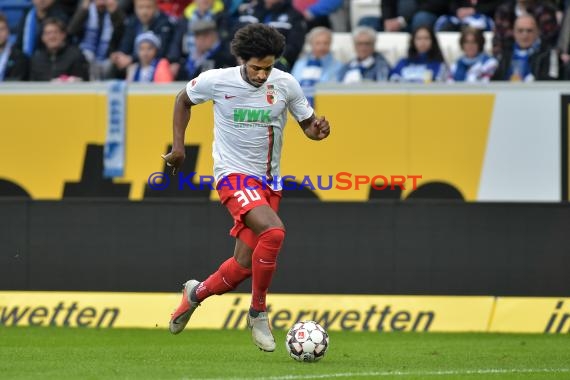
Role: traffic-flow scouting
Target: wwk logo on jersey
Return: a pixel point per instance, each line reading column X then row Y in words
column 251, row 115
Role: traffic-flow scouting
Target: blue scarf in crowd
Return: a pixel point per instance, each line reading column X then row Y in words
column 194, row 61
column 360, row 70
column 465, row 63
column 96, row 39
column 29, row 35
column 4, row 60
column 148, row 75
column 520, row 62
column 310, row 76
column 189, row 40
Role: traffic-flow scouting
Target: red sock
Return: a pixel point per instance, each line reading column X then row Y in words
column 263, row 264
column 229, row 275
column 248, row 237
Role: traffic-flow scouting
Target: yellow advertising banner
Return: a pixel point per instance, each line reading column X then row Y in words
column 334, row 312
column 531, row 315
column 86, row 309
column 407, row 136
column 442, row 141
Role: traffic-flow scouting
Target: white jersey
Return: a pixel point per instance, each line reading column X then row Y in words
column 249, row 120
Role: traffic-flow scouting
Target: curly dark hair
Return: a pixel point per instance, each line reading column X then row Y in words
column 257, row 41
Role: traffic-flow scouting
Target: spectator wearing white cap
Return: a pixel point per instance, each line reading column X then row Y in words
column 147, row 17
column 149, row 68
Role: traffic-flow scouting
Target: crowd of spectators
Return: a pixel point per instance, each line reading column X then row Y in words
column 168, row 40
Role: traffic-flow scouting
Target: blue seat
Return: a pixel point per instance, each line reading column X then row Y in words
column 14, row 10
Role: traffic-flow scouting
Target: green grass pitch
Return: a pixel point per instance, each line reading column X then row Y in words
column 68, row 353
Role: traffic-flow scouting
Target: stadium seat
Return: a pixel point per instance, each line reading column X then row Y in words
column 361, row 8
column 14, row 11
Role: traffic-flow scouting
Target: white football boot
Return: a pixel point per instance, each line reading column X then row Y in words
column 261, row 331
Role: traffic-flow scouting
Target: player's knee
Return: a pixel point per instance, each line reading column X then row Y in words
column 273, row 237
column 244, row 260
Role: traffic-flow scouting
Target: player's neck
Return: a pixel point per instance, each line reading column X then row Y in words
column 245, row 78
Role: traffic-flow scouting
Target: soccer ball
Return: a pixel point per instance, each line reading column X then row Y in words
column 307, row 341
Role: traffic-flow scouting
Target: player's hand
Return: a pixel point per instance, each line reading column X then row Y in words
column 174, row 159
column 319, row 129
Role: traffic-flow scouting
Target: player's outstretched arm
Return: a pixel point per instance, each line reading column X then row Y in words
column 180, row 120
column 316, row 128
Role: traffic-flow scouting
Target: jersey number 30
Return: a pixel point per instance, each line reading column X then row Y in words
column 246, row 196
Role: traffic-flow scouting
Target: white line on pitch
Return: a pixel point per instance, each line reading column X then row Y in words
column 489, row 371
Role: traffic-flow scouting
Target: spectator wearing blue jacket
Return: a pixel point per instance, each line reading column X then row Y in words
column 147, row 18
column 319, row 65
column 281, row 15
column 474, row 66
column 529, row 59
column 368, row 65
column 476, row 14
column 29, row 34
column 97, row 27
column 424, row 63
column 13, row 63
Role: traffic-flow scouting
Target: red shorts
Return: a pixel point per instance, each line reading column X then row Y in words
column 241, row 193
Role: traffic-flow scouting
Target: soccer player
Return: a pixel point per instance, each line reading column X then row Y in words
column 250, row 111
